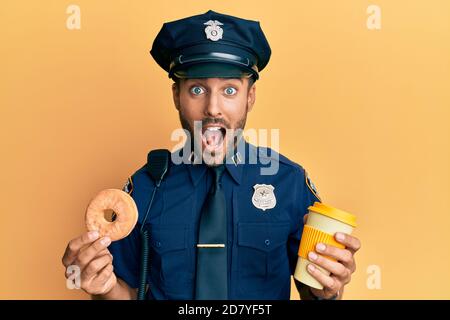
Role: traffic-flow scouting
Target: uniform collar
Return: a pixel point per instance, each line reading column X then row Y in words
column 234, row 164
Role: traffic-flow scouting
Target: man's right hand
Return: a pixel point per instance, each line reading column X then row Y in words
column 91, row 255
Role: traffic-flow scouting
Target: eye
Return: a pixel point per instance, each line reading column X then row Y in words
column 196, row 90
column 230, row 91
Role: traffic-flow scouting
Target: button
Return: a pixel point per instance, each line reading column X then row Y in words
column 158, row 244
column 267, row 242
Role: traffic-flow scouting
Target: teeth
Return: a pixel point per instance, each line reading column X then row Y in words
column 213, row 128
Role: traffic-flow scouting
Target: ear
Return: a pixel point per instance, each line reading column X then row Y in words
column 251, row 97
column 176, row 95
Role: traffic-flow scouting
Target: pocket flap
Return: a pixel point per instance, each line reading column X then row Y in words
column 263, row 236
column 167, row 238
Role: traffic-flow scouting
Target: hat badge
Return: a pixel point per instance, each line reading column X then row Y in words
column 263, row 197
column 213, row 30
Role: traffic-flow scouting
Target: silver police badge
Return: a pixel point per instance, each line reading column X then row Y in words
column 213, row 30
column 311, row 186
column 128, row 187
column 263, row 197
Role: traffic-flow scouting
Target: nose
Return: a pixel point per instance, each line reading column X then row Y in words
column 213, row 106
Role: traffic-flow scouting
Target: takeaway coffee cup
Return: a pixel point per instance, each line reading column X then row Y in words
column 322, row 223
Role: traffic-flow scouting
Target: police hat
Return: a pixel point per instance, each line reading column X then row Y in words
column 211, row 45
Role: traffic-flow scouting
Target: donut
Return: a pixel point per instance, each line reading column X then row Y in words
column 124, row 208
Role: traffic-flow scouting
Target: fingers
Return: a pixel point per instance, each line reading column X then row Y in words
column 96, row 266
column 342, row 255
column 105, row 281
column 105, row 273
column 103, row 252
column 99, row 254
column 85, row 257
column 305, row 217
column 102, row 281
column 353, row 244
column 329, row 283
column 75, row 245
column 336, row 268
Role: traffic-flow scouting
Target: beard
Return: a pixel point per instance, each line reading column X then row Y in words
column 230, row 142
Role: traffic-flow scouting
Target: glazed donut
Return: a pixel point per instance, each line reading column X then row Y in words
column 123, row 206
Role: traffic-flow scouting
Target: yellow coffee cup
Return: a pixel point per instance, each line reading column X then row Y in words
column 322, row 223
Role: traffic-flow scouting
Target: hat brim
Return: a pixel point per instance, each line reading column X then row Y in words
column 211, row 70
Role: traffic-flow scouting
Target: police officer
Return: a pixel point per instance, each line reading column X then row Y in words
column 220, row 227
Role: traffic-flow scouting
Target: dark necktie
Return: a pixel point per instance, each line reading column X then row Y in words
column 211, row 279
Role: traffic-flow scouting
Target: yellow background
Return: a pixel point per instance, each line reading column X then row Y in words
column 366, row 112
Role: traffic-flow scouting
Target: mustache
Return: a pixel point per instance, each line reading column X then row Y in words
column 221, row 121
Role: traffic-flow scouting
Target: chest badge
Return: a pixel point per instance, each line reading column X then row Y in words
column 213, row 30
column 263, row 197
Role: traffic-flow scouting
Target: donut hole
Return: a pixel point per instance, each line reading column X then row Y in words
column 110, row 215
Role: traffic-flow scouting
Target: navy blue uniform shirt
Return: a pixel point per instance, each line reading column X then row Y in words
column 262, row 244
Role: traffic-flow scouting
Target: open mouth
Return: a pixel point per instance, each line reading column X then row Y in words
column 213, row 137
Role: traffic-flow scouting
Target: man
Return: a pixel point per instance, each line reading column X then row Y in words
column 219, row 227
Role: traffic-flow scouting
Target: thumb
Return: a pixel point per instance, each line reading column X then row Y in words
column 305, row 217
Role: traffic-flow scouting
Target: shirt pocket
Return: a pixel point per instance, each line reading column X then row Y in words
column 170, row 258
column 262, row 255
